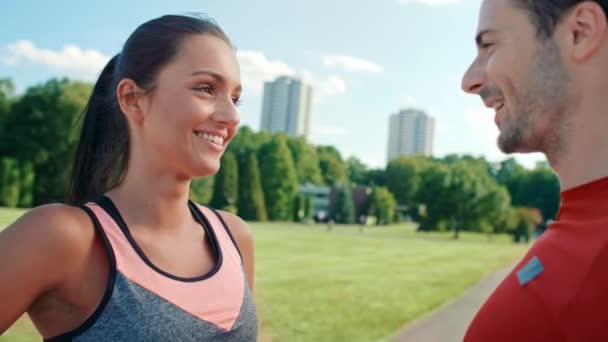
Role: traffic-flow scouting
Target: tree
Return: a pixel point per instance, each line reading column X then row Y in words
column 251, row 205
column 7, row 90
column 382, row 205
column 306, row 161
column 537, row 188
column 434, row 183
column 9, row 182
column 344, row 210
column 201, row 189
column 244, row 141
column 44, row 130
column 540, row 189
column 473, row 200
column 520, row 223
column 279, row 179
column 357, row 171
column 298, row 208
column 375, row 177
column 332, row 166
column 26, row 185
column 403, row 178
column 226, row 185
column 309, row 209
column 461, row 196
column 480, row 163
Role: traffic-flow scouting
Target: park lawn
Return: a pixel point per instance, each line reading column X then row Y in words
column 347, row 285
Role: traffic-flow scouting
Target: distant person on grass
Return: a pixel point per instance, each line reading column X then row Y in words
column 542, row 65
column 131, row 258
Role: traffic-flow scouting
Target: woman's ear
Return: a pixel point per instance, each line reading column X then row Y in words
column 130, row 100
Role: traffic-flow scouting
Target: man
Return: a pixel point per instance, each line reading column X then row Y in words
column 542, row 65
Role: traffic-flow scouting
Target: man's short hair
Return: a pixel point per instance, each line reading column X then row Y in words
column 545, row 14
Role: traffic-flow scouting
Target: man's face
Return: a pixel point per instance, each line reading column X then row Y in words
column 519, row 75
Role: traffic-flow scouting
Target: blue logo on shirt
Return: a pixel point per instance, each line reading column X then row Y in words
column 532, row 269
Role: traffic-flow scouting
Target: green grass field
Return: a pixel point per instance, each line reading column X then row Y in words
column 347, row 285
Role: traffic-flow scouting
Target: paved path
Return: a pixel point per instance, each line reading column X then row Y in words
column 449, row 322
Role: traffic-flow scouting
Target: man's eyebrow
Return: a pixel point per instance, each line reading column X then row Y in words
column 481, row 34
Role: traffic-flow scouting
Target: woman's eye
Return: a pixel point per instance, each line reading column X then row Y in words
column 204, row 87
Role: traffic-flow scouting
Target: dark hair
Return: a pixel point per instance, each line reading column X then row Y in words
column 545, row 14
column 102, row 154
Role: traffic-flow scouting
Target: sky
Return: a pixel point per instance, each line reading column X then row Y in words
column 366, row 60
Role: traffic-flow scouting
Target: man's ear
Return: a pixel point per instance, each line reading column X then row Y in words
column 585, row 29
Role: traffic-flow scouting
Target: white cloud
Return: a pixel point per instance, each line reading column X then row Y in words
column 256, row 68
column 373, row 162
column 408, row 101
column 352, row 64
column 433, row 3
column 71, row 61
column 330, row 86
column 328, row 130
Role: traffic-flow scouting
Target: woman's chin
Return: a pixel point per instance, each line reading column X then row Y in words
column 206, row 169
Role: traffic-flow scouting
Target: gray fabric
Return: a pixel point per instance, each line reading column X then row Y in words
column 136, row 314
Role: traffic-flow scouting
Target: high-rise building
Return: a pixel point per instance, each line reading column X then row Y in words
column 410, row 131
column 286, row 106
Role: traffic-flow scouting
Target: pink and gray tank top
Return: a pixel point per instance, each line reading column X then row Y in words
column 145, row 303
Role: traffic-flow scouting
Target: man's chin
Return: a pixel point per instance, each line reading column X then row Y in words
column 511, row 148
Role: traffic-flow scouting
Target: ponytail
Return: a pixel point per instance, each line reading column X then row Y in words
column 101, row 157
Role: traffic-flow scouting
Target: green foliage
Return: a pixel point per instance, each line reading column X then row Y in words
column 434, row 182
column 245, row 141
column 382, row 205
column 201, row 189
column 279, row 179
column 226, row 185
column 251, row 205
column 306, row 161
column 403, row 177
column 308, row 208
column 26, row 185
column 357, row 171
column 9, row 182
column 332, row 166
column 375, row 177
column 7, row 90
column 538, row 188
column 520, row 223
column 461, row 196
column 42, row 128
column 298, row 208
column 344, row 210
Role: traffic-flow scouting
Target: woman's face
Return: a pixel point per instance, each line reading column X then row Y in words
column 191, row 113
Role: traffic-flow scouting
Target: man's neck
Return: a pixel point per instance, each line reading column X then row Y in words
column 585, row 155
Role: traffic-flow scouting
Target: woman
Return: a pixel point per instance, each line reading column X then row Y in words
column 131, row 258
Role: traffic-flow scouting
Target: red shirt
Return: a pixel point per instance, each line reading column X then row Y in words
column 559, row 290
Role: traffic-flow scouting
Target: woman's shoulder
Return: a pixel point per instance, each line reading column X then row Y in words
column 56, row 227
column 237, row 226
